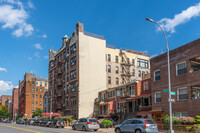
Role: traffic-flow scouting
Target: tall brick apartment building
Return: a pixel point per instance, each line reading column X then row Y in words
column 15, row 102
column 83, row 66
column 185, row 81
column 4, row 98
column 31, row 92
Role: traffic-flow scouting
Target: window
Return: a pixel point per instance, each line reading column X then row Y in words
column 40, row 90
column 32, row 89
column 67, row 64
column 109, row 68
column 73, row 61
column 32, row 103
column 33, row 83
column 109, row 80
column 36, row 96
column 117, row 69
column 36, row 103
column 73, row 87
column 73, row 48
column 51, row 63
column 109, row 57
column 65, row 55
column 32, row 96
column 128, row 62
column 40, row 83
column 116, row 59
column 36, row 89
column 40, row 103
column 40, row 96
column 180, row 114
column 181, row 68
column 157, row 75
column 32, row 109
column 74, row 113
column 73, row 74
column 45, row 84
column 145, row 85
column 67, row 77
column 133, row 62
column 117, row 81
column 182, row 94
column 131, row 90
column 139, row 73
column 195, row 93
column 133, row 72
column 123, row 81
column 73, row 100
column 158, row 97
column 142, row 63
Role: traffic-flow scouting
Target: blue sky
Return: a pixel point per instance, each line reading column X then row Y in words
column 29, row 28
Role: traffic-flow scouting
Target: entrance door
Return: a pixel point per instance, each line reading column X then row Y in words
column 130, row 103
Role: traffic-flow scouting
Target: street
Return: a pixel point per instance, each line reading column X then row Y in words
column 15, row 128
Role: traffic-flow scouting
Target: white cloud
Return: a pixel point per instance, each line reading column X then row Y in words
column 3, row 69
column 46, row 57
column 169, row 24
column 154, row 55
column 38, row 46
column 30, row 4
column 15, row 17
column 44, row 36
column 37, row 54
column 5, row 86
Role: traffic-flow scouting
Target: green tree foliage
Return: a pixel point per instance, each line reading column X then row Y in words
column 37, row 112
column 4, row 113
column 197, row 119
column 106, row 123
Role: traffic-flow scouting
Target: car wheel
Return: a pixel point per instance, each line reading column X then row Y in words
column 138, row 131
column 95, row 130
column 84, row 129
column 118, row 130
column 73, row 127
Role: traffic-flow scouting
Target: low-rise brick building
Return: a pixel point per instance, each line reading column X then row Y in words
column 185, row 81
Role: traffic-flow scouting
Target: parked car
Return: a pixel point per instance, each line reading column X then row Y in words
column 43, row 122
column 36, row 122
column 6, row 121
column 57, row 123
column 48, row 123
column 20, row 121
column 137, row 126
column 86, row 124
column 30, row 122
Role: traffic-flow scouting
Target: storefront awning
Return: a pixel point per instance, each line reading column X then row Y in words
column 144, row 113
column 48, row 114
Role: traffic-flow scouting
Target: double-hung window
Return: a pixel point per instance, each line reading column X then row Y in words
column 181, row 68
column 182, row 94
column 157, row 75
column 158, row 97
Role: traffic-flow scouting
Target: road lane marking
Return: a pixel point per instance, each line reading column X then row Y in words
column 20, row 128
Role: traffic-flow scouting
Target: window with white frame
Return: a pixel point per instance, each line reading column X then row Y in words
column 182, row 94
column 131, row 90
column 157, row 75
column 109, row 80
column 32, row 89
column 117, row 81
column 181, row 68
column 145, row 85
column 109, row 57
column 158, row 97
column 116, row 59
column 180, row 114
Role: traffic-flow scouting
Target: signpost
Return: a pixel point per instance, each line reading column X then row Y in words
column 173, row 93
column 166, row 90
column 171, row 100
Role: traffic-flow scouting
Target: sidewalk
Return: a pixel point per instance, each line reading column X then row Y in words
column 107, row 130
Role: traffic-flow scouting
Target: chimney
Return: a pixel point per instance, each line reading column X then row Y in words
column 79, row 27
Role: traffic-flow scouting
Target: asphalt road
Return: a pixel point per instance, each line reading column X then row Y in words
column 15, row 128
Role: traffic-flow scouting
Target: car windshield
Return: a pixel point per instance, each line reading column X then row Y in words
column 93, row 120
column 150, row 122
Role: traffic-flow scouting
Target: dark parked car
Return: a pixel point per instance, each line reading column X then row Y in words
column 37, row 122
column 43, row 122
column 29, row 122
column 6, row 121
column 57, row 123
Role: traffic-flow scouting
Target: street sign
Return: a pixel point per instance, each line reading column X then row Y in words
column 171, row 100
column 166, row 90
column 173, row 93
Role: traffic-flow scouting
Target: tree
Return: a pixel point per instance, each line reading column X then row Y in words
column 4, row 113
column 37, row 112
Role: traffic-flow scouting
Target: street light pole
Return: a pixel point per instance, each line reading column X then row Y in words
column 169, row 80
